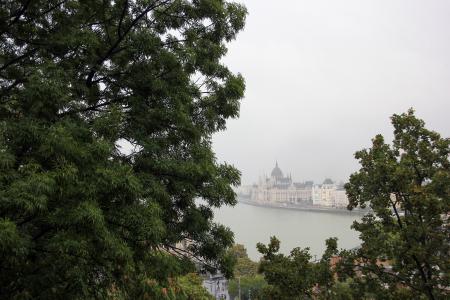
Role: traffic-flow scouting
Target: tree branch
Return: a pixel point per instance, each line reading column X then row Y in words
column 189, row 255
column 112, row 50
column 122, row 16
column 91, row 108
column 19, row 13
column 18, row 58
column 423, row 275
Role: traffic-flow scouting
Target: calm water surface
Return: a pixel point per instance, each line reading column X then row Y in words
column 294, row 228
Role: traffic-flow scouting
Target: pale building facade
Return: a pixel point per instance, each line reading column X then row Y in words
column 323, row 194
column 329, row 194
column 340, row 198
column 280, row 189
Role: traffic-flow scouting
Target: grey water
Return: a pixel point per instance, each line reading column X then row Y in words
column 294, row 228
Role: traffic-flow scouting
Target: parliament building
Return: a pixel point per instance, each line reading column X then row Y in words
column 280, row 189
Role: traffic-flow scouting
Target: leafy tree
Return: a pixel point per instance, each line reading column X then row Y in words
column 244, row 266
column 405, row 240
column 186, row 287
column 190, row 286
column 296, row 276
column 252, row 287
column 245, row 274
column 106, row 114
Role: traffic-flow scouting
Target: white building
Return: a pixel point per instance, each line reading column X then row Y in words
column 329, row 194
column 280, row 189
column 323, row 194
column 340, row 198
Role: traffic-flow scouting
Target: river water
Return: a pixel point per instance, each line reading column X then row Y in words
column 294, row 228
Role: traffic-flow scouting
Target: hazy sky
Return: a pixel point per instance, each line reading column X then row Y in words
column 324, row 76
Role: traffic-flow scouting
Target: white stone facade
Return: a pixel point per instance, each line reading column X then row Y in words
column 278, row 189
column 329, row 195
column 340, row 198
column 278, row 195
column 323, row 194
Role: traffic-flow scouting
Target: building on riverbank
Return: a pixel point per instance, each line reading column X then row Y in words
column 279, row 189
column 329, row 194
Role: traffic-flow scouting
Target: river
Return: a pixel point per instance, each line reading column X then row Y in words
column 294, row 228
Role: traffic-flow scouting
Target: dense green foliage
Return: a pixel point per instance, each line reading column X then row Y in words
column 405, row 251
column 246, row 276
column 185, row 287
column 252, row 287
column 407, row 185
column 190, row 288
column 106, row 114
column 243, row 265
column 296, row 276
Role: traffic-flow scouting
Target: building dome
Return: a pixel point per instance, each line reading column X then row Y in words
column 276, row 172
column 328, row 181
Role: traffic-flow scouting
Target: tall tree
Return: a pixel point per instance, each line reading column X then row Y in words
column 406, row 240
column 405, row 251
column 106, row 114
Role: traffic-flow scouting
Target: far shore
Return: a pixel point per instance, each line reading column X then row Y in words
column 304, row 208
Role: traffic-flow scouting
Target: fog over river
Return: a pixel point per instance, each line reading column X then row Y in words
column 294, row 228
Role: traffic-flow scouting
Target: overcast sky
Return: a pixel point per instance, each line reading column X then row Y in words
column 324, row 76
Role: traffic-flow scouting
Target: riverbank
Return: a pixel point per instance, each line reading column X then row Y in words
column 287, row 206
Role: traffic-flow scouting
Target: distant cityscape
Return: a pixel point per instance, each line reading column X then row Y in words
column 280, row 190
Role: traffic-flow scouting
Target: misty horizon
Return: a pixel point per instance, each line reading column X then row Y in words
column 324, row 77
